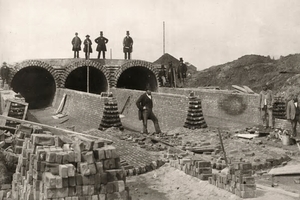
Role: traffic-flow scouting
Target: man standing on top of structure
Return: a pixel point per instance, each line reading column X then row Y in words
column 181, row 70
column 101, row 47
column 266, row 101
column 76, row 42
column 127, row 46
column 87, row 47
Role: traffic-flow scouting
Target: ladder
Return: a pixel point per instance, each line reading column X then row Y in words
column 16, row 109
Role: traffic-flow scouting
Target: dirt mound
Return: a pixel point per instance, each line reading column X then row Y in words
column 253, row 71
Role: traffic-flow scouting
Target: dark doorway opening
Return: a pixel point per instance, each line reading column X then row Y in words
column 77, row 80
column 137, row 78
column 36, row 85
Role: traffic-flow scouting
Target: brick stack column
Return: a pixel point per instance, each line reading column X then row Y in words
column 48, row 168
column 195, row 167
column 238, row 181
column 195, row 119
column 111, row 116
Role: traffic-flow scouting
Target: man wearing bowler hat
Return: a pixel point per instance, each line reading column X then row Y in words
column 76, row 42
column 101, row 47
column 127, row 45
column 87, row 47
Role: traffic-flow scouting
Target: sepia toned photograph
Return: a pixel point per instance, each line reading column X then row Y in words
column 149, row 100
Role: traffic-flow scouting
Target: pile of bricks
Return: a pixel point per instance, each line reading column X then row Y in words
column 111, row 116
column 194, row 167
column 51, row 168
column 4, row 190
column 238, row 180
column 195, row 119
column 24, row 131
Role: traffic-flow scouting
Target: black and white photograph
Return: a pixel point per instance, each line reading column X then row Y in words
column 149, row 100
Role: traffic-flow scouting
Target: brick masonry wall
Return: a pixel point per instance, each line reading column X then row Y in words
column 81, row 105
column 220, row 108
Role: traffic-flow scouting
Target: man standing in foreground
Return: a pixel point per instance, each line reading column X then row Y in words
column 293, row 114
column 145, row 105
column 266, row 106
column 76, row 42
column 127, row 46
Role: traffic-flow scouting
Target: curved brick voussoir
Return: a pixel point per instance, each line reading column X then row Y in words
column 83, row 63
column 133, row 63
column 35, row 63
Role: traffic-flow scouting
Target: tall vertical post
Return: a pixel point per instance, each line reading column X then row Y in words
column 88, row 72
column 110, row 54
column 164, row 50
column 87, row 79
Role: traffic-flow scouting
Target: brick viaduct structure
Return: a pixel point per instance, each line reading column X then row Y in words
column 43, row 83
column 32, row 77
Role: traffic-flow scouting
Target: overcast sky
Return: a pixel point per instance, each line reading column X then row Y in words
column 203, row 32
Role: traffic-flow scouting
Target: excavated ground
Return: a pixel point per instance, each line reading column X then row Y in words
column 170, row 183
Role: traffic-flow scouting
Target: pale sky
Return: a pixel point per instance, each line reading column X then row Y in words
column 203, row 32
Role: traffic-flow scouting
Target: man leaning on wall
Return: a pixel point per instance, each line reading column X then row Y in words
column 266, row 101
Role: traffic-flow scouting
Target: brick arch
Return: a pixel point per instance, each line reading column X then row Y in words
column 35, row 63
column 129, row 64
column 74, row 65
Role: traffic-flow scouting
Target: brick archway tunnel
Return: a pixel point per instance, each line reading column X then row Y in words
column 137, row 78
column 36, row 84
column 136, row 75
column 77, row 80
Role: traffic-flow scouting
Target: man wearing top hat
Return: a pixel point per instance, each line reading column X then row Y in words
column 127, row 46
column 76, row 42
column 101, row 47
column 182, row 69
column 87, row 47
column 4, row 73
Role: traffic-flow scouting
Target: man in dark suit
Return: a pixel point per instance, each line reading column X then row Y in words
column 293, row 114
column 127, row 45
column 4, row 74
column 76, row 42
column 145, row 105
column 87, row 47
column 101, row 47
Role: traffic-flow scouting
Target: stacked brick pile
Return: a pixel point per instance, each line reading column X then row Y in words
column 49, row 168
column 194, row 167
column 111, row 116
column 195, row 119
column 279, row 108
column 238, row 181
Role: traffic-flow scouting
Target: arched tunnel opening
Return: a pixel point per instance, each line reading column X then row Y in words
column 137, row 78
column 36, row 85
column 77, row 80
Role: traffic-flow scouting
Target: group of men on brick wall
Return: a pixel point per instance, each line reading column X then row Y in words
column 168, row 75
column 101, row 46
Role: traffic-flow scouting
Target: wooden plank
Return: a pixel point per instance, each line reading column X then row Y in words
column 277, row 190
column 286, row 170
column 51, row 127
column 61, row 105
column 247, row 136
column 249, row 90
column 241, row 89
column 5, row 113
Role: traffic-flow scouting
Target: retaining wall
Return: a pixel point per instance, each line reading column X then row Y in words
column 222, row 109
